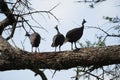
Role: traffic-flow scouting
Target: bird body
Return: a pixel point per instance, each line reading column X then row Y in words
column 58, row 39
column 75, row 34
column 72, row 35
column 35, row 39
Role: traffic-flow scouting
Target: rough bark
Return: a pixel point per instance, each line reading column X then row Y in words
column 9, row 20
column 14, row 59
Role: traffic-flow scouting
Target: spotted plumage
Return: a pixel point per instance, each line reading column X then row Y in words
column 75, row 34
column 35, row 39
column 58, row 39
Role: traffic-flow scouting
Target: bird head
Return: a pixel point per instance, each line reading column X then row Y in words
column 84, row 21
column 56, row 27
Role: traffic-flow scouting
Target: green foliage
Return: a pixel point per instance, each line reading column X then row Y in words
column 112, row 19
column 100, row 42
column 117, row 27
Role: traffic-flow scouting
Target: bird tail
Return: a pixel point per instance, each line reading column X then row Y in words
column 66, row 40
column 52, row 45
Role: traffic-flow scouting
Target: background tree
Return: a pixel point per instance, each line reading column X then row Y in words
column 105, row 71
column 18, row 14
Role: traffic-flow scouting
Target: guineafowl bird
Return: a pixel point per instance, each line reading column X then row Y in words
column 58, row 39
column 35, row 39
column 75, row 34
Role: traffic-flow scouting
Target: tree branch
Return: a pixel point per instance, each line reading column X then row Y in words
column 107, row 34
column 4, row 9
column 41, row 73
column 10, row 20
column 90, row 1
column 18, row 59
column 3, row 24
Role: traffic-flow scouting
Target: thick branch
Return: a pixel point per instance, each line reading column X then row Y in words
column 15, row 59
column 4, row 24
column 10, row 17
column 4, row 9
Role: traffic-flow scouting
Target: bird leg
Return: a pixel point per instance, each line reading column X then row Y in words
column 59, row 48
column 71, row 45
column 32, row 49
column 75, row 45
column 55, row 49
column 35, row 49
column 76, row 49
column 38, row 50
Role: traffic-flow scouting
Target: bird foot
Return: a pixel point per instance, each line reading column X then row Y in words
column 77, row 49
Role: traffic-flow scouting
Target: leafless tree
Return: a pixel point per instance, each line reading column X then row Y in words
column 89, row 58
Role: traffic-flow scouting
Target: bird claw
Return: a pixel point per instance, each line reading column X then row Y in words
column 77, row 49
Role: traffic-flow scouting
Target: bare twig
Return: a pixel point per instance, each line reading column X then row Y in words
column 38, row 23
column 22, row 43
column 49, row 11
column 93, row 75
column 90, row 1
column 28, row 24
column 107, row 34
column 39, row 72
column 99, row 29
column 13, row 29
column 87, row 72
column 55, row 6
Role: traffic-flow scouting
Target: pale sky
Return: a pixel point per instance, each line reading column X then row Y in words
column 69, row 14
